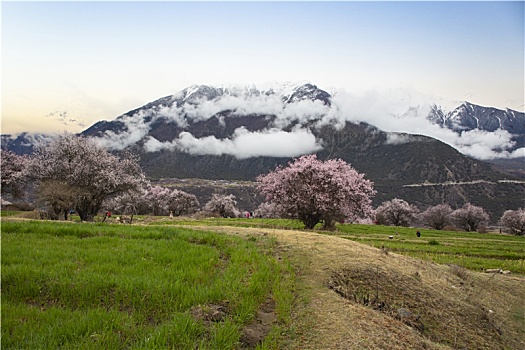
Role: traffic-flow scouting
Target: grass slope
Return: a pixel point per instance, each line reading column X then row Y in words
column 471, row 250
column 94, row 286
column 188, row 283
column 354, row 296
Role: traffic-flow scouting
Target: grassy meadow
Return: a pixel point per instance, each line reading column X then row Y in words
column 169, row 284
column 100, row 286
column 471, row 250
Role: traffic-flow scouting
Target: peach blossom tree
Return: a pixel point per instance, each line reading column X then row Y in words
column 79, row 163
column 470, row 217
column 437, row 217
column 14, row 173
column 396, row 212
column 183, row 203
column 315, row 191
column 514, row 220
column 222, row 205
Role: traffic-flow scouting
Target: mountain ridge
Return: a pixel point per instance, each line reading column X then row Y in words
column 236, row 134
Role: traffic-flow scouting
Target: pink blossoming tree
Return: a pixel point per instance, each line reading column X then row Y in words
column 437, row 217
column 514, row 220
column 182, row 203
column 14, row 173
column 268, row 210
column 396, row 212
column 470, row 217
column 79, row 163
column 157, row 200
column 130, row 203
column 314, row 191
column 222, row 205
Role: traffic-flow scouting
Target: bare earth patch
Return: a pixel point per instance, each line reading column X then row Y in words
column 254, row 333
column 352, row 296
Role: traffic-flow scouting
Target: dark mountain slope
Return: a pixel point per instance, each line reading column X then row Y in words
column 417, row 168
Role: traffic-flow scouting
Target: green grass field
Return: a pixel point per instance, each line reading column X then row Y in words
column 67, row 285
column 471, row 250
column 100, row 286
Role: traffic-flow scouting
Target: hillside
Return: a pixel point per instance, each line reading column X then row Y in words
column 200, row 133
column 421, row 305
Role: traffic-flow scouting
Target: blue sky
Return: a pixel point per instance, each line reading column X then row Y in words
column 97, row 60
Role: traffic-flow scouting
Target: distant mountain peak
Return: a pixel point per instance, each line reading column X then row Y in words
column 469, row 116
column 288, row 92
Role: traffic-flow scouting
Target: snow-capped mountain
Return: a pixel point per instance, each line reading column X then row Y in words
column 197, row 94
column 502, row 129
column 469, row 116
column 232, row 132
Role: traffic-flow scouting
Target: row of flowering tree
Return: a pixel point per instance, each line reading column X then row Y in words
column 398, row 212
column 156, row 200
column 469, row 217
column 73, row 172
column 314, row 191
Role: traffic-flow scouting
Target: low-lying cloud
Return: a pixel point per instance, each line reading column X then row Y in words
column 135, row 130
column 399, row 111
column 243, row 144
column 391, row 112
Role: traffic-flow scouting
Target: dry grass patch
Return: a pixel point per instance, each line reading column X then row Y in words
column 353, row 296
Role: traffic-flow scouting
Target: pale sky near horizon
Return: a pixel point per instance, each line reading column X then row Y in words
column 98, row 60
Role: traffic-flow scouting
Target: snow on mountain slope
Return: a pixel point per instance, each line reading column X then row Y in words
column 292, row 109
column 469, row 117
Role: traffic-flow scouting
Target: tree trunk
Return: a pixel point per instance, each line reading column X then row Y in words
column 329, row 225
column 310, row 221
column 85, row 209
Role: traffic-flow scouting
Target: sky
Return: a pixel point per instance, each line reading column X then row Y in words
column 67, row 65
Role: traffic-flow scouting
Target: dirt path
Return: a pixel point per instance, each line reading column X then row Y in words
column 324, row 320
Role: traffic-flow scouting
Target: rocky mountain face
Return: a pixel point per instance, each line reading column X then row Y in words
column 232, row 133
column 468, row 117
